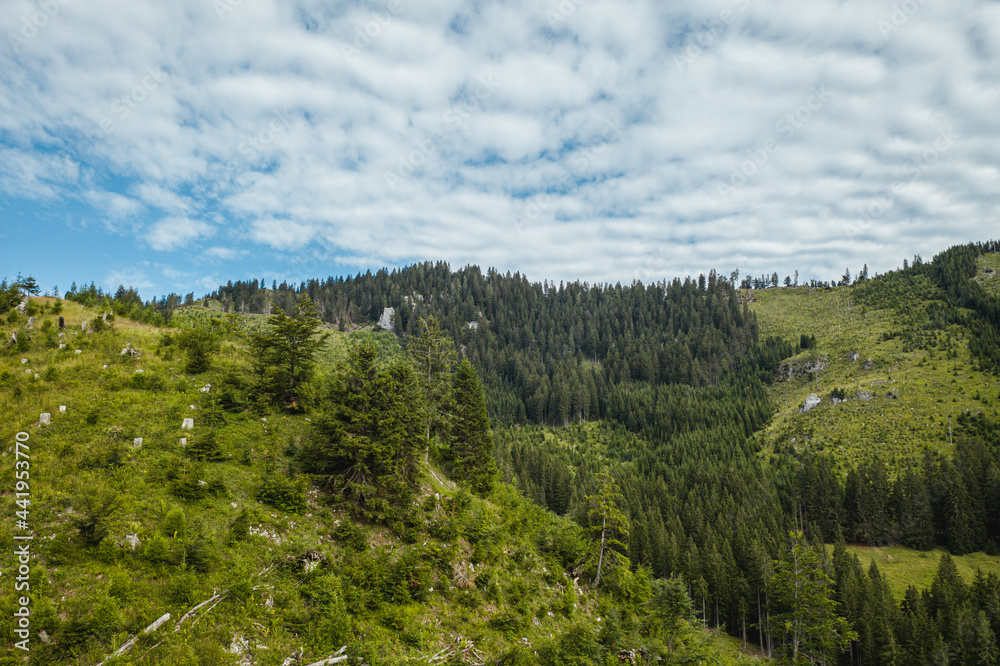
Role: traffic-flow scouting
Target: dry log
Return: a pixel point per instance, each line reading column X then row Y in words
column 131, row 642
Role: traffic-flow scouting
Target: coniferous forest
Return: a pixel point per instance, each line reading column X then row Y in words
column 637, row 416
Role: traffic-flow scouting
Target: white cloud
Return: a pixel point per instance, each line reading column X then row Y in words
column 174, row 123
column 172, row 233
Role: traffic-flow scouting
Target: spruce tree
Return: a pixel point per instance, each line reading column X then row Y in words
column 370, row 436
column 609, row 525
column 433, row 355
column 283, row 356
column 471, row 439
column 809, row 621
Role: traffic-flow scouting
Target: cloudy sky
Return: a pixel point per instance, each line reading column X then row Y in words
column 176, row 145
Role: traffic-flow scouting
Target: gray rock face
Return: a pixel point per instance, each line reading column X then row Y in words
column 812, row 401
column 865, row 395
column 385, row 321
column 853, row 356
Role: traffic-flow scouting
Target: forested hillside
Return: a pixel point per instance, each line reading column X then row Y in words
column 732, row 451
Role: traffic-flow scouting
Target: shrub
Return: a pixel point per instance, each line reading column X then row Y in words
column 181, row 588
column 351, row 535
column 189, row 487
column 283, row 493
column 508, row 622
column 174, row 523
column 157, row 550
column 205, row 447
column 239, row 529
column 200, row 344
column 94, row 510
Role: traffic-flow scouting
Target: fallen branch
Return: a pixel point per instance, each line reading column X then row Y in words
column 130, row 643
column 336, row 658
column 215, row 597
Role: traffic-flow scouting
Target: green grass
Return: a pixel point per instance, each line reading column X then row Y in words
column 989, row 272
column 931, row 386
column 903, row 567
column 108, row 592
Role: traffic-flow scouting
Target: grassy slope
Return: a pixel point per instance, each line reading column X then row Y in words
column 903, row 567
column 111, row 592
column 931, row 389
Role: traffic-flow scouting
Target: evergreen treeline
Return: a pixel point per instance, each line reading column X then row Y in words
column 546, row 353
column 940, row 293
column 939, row 501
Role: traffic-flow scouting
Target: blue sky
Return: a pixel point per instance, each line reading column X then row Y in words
column 174, row 146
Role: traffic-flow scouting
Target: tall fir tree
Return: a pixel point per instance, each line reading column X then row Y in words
column 808, row 620
column 609, row 525
column 284, row 354
column 370, row 435
column 471, row 439
column 433, row 355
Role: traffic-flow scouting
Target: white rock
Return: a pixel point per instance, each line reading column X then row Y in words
column 62, row 408
column 133, row 540
column 45, row 419
column 80, row 351
column 188, row 424
column 812, row 401
column 137, row 442
column 23, row 361
column 385, row 321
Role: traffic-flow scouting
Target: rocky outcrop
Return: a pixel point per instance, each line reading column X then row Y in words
column 812, row 401
column 790, row 370
column 386, row 320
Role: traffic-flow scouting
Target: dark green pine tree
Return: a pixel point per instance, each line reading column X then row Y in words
column 433, row 355
column 471, row 439
column 964, row 528
column 980, row 648
column 370, row 436
column 283, row 355
column 809, row 622
column 915, row 512
column 948, row 596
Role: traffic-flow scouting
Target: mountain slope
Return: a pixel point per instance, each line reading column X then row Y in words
column 126, row 531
